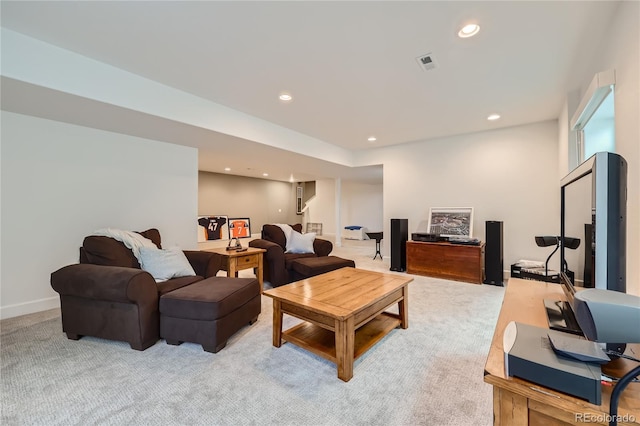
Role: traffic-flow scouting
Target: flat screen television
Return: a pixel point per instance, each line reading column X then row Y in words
column 593, row 200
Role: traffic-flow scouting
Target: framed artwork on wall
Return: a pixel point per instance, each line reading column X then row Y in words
column 240, row 228
column 215, row 227
column 451, row 221
column 299, row 192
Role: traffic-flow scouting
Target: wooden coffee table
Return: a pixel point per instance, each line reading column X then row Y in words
column 344, row 313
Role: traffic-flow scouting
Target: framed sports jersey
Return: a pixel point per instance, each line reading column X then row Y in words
column 240, row 228
column 213, row 228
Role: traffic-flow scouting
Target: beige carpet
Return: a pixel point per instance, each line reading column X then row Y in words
column 429, row 374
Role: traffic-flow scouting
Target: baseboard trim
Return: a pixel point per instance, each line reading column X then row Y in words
column 31, row 307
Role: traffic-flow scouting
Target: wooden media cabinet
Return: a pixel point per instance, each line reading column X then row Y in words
column 456, row 262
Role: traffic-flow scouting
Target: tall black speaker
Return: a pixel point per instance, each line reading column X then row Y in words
column 493, row 257
column 399, row 237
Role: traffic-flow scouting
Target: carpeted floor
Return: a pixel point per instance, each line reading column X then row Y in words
column 429, row 374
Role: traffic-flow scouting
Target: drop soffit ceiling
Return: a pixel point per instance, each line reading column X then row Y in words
column 351, row 66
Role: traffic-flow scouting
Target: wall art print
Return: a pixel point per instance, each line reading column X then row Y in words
column 451, row 221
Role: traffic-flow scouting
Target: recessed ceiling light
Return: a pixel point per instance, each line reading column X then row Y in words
column 227, row 169
column 372, row 139
column 265, row 174
column 469, row 30
column 285, row 97
column 493, row 117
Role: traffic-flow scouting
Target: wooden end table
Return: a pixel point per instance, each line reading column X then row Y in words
column 234, row 261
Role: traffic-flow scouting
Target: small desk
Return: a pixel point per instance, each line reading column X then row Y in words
column 378, row 237
column 519, row 402
column 234, row 261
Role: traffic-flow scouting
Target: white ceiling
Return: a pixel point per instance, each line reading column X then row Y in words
column 351, row 67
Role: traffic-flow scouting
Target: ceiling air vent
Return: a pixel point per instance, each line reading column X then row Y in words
column 426, row 62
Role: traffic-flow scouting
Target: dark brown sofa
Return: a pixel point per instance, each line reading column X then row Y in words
column 107, row 295
column 278, row 265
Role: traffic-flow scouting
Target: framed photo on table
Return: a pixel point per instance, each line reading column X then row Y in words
column 240, row 228
column 451, row 221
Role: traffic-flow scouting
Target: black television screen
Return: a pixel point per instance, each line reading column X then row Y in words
column 593, row 208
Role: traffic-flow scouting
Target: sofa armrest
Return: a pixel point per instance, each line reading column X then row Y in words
column 274, row 253
column 112, row 283
column 274, row 261
column 204, row 263
column 322, row 247
column 263, row 244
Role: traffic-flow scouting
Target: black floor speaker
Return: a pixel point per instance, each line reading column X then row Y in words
column 399, row 236
column 493, row 256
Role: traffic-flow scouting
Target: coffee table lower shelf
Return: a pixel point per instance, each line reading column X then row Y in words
column 322, row 342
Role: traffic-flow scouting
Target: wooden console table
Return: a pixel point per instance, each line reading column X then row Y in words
column 519, row 402
column 456, row 262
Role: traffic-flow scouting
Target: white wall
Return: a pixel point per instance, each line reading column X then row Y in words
column 261, row 200
column 60, row 182
column 620, row 50
column 323, row 209
column 353, row 203
column 509, row 175
column 362, row 204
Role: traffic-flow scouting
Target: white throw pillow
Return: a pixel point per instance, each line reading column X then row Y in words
column 165, row 264
column 300, row 243
column 287, row 229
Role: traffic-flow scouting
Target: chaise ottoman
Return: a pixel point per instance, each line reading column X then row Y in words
column 209, row 312
column 307, row 267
